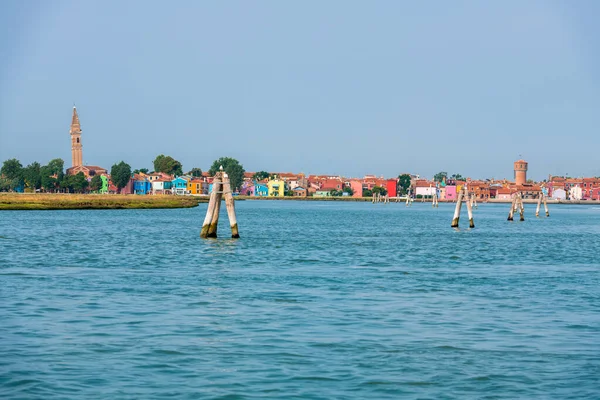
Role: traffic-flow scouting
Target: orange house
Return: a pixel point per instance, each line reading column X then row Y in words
column 195, row 186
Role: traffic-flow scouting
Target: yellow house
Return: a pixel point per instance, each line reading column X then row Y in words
column 195, row 186
column 276, row 187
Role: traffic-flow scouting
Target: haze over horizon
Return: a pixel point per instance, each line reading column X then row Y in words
column 339, row 87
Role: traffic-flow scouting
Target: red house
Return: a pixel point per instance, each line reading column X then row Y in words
column 391, row 186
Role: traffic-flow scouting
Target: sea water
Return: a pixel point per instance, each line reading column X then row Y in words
column 317, row 300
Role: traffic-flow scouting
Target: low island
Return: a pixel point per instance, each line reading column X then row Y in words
column 55, row 201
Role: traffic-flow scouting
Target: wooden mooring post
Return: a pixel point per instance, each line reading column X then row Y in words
column 541, row 199
column 221, row 188
column 463, row 195
column 517, row 205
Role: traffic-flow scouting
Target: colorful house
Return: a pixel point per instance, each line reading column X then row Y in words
column 161, row 186
column 247, row 189
column 141, row 185
column 450, row 192
column 276, row 188
column 322, row 193
column 261, row 190
column 179, row 185
column 357, row 188
column 299, row 191
column 104, row 187
column 559, row 194
column 503, row 194
column 196, row 186
column 391, row 186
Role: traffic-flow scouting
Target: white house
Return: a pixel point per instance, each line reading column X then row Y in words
column 161, row 186
column 559, row 194
column 576, row 193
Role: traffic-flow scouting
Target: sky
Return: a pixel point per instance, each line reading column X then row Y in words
column 320, row 87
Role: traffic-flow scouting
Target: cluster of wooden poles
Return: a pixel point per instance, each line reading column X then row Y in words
column 221, row 189
column 471, row 200
column 378, row 198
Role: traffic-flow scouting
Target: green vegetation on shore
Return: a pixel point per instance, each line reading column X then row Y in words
column 46, row 201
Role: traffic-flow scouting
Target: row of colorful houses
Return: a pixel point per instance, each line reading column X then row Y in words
column 299, row 185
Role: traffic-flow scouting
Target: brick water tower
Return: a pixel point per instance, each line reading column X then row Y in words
column 520, row 172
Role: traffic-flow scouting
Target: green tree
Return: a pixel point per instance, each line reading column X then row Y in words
column 56, row 167
column 367, row 193
column 457, row 177
column 349, row 190
column 4, row 184
column 404, row 183
column 66, row 183
column 78, row 182
column 32, row 176
column 168, row 165
column 12, row 169
column 234, row 169
column 379, row 189
column 120, row 174
column 439, row 177
column 260, row 175
column 96, row 183
column 197, row 172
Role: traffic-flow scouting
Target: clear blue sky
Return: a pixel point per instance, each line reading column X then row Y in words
column 340, row 87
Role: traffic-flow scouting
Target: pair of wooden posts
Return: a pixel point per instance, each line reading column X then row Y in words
column 221, row 188
column 517, row 204
column 463, row 195
column 539, row 204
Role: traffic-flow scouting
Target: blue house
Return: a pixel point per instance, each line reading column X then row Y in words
column 179, row 185
column 261, row 190
column 142, row 186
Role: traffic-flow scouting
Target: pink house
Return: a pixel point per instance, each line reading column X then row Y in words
column 451, row 192
column 357, row 188
column 504, row 194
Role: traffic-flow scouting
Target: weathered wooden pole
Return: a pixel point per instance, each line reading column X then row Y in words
column 457, row 210
column 521, row 208
column 373, row 200
column 539, row 205
column 512, row 209
column 212, row 229
column 546, row 207
column 229, row 203
column 213, row 204
column 470, row 213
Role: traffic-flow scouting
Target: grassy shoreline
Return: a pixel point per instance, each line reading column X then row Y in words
column 55, row 201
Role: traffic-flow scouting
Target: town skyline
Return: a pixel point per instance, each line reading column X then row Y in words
column 346, row 89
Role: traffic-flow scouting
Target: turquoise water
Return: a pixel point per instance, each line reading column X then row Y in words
column 317, row 300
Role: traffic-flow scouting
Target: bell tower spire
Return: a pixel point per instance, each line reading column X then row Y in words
column 76, row 147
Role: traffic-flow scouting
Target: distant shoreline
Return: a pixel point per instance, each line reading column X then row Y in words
column 403, row 200
column 62, row 201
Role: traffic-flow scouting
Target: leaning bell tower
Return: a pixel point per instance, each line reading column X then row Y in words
column 76, row 154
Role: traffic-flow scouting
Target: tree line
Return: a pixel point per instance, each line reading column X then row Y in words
column 52, row 178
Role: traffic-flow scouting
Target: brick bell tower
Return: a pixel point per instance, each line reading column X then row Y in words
column 76, row 147
column 520, row 172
